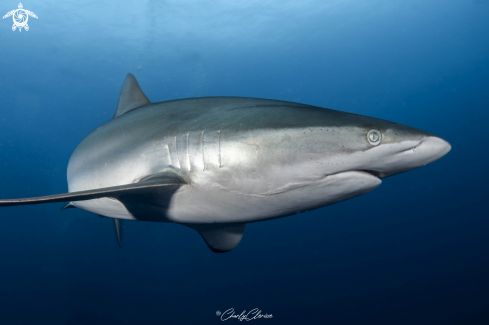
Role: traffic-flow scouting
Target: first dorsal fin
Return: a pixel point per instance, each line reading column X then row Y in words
column 131, row 96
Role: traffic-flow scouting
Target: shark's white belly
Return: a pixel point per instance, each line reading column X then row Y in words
column 217, row 204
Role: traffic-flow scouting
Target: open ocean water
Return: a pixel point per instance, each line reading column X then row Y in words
column 413, row 251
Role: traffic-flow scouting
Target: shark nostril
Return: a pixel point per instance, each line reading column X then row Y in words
column 419, row 144
column 413, row 149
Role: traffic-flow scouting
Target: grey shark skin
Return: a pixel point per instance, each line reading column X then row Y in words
column 217, row 163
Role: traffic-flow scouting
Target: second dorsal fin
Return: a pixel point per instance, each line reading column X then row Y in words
column 131, row 96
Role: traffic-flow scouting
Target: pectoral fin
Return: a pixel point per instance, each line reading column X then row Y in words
column 220, row 238
column 142, row 189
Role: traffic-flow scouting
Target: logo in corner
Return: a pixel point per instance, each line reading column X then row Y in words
column 20, row 17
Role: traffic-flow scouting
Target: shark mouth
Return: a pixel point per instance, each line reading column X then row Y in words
column 374, row 173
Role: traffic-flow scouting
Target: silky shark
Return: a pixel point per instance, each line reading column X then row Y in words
column 215, row 164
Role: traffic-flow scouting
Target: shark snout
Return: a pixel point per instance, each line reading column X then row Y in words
column 406, row 155
column 430, row 149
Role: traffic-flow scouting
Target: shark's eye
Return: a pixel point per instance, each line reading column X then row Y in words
column 374, row 137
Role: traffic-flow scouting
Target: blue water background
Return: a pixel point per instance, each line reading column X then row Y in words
column 413, row 251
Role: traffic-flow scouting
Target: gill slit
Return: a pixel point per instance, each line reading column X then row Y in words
column 188, row 154
column 169, row 154
column 219, row 145
column 203, row 150
column 176, row 151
